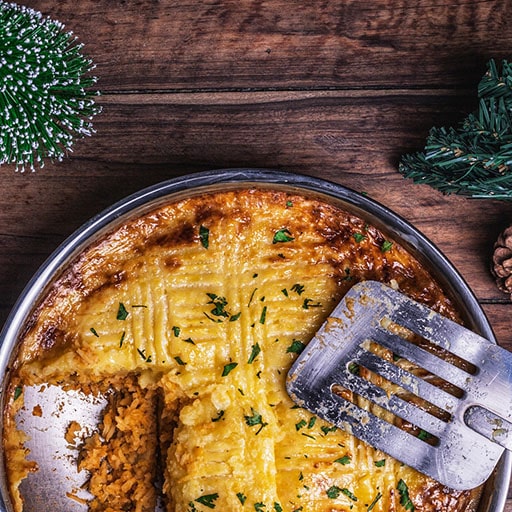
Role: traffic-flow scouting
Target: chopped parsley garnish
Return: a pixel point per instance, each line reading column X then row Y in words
column 289, row 204
column 282, row 236
column 344, row 460
column 374, row 502
column 284, row 291
column 256, row 349
column 180, row 362
column 308, row 435
column 93, row 330
column 405, row 500
column 228, row 368
column 358, row 237
column 309, row 303
column 241, row 497
column 424, row 435
column 255, row 419
column 234, row 318
column 259, row 507
column 326, row 429
column 176, row 331
column 312, row 422
column 333, row 492
column 204, row 236
column 300, row 424
column 219, row 304
column 380, row 463
column 277, row 507
column 142, row 353
column 122, row 313
column 122, row 339
column 18, row 390
column 252, row 297
column 189, row 340
column 218, row 417
column 386, row 246
column 298, row 288
column 263, row 316
column 296, row 347
column 208, row 500
column 354, row 368
column 349, row 494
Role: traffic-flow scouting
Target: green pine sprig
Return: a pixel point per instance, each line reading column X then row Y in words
column 45, row 97
column 474, row 159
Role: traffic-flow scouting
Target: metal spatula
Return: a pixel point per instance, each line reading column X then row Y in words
column 408, row 381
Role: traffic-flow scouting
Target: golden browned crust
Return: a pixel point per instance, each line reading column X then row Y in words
column 207, row 300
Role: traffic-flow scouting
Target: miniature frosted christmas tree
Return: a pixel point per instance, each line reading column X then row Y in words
column 45, row 97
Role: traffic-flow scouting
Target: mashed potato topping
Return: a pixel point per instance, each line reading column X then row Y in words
column 188, row 318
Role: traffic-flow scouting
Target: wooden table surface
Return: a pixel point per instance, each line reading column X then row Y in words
column 335, row 89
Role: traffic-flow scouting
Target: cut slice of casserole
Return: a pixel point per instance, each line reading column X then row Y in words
column 200, row 307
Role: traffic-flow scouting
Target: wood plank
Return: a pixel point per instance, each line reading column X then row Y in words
column 230, row 44
column 352, row 138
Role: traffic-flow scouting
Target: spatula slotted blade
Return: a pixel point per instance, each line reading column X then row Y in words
column 421, row 388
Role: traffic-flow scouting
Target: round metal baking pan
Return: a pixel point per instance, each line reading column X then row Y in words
column 495, row 491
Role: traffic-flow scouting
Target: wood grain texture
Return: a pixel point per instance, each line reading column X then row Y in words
column 335, row 89
column 354, row 139
column 139, row 44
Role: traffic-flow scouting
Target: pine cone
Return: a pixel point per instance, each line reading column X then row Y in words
column 502, row 261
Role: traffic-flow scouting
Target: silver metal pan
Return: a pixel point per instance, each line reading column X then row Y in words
column 44, row 495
